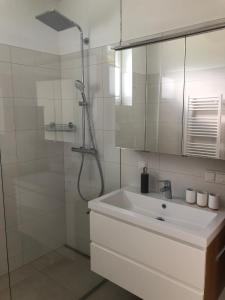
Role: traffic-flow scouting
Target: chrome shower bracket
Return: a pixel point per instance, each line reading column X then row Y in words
column 86, row 41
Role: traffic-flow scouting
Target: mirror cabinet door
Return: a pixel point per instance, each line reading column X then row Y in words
column 204, row 95
column 130, row 107
column 172, row 96
column 164, row 104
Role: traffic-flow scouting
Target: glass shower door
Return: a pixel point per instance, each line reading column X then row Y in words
column 5, row 291
column 41, row 266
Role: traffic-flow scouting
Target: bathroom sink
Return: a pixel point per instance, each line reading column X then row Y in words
column 173, row 218
column 158, row 209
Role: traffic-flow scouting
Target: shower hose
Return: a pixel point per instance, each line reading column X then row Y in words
column 85, row 111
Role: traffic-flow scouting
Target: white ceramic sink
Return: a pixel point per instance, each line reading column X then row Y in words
column 173, row 218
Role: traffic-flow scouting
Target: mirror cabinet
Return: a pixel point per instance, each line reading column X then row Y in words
column 171, row 96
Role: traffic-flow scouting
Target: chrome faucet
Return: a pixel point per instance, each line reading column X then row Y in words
column 166, row 190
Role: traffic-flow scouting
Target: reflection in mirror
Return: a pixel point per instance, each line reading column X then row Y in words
column 130, row 82
column 164, row 104
column 204, row 90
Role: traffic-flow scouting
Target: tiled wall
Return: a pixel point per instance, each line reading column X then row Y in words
column 100, row 68
column 32, row 160
column 184, row 172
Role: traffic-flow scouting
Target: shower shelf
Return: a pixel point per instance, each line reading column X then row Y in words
column 69, row 127
column 84, row 150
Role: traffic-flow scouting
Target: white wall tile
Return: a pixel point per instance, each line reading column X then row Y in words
column 32, row 82
column 6, row 115
column 68, row 89
column 26, row 117
column 108, row 55
column 72, row 74
column 97, row 113
column 111, row 176
column 22, row 56
column 8, row 146
column 108, row 73
column 31, row 145
column 72, row 60
column 111, row 153
column 14, row 244
column 12, row 213
column 68, row 111
column 24, row 81
column 45, row 89
column 95, row 81
column 109, row 114
column 130, row 175
column 45, row 111
column 4, row 53
column 5, row 80
column 95, row 56
column 132, row 158
column 46, row 60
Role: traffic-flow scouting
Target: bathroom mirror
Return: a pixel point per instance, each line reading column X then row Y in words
column 172, row 96
column 164, row 97
column 204, row 111
column 130, row 107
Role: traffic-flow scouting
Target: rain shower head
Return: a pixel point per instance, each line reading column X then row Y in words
column 79, row 85
column 57, row 21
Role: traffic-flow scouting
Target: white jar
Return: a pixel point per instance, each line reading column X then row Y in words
column 202, row 199
column 213, row 202
column 190, row 196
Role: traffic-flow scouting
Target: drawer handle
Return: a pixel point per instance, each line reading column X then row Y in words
column 220, row 254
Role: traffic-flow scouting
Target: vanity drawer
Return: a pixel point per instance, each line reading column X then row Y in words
column 174, row 259
column 139, row 280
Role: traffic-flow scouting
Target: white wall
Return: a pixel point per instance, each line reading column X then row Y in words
column 146, row 17
column 69, row 40
column 99, row 19
column 18, row 26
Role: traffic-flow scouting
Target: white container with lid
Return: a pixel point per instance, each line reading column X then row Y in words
column 213, row 202
column 202, row 199
column 190, row 196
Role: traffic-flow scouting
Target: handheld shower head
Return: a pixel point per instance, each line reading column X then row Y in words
column 79, row 85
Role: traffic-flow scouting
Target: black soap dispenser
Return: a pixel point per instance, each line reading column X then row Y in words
column 145, row 181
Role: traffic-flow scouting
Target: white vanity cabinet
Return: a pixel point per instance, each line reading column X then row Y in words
column 151, row 265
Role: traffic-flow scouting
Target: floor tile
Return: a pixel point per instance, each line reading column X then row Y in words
column 74, row 275
column 46, row 260
column 60, row 275
column 4, row 282
column 110, row 291
column 22, row 273
column 67, row 252
column 5, row 295
column 40, row 287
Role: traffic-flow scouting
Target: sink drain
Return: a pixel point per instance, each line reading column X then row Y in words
column 160, row 219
